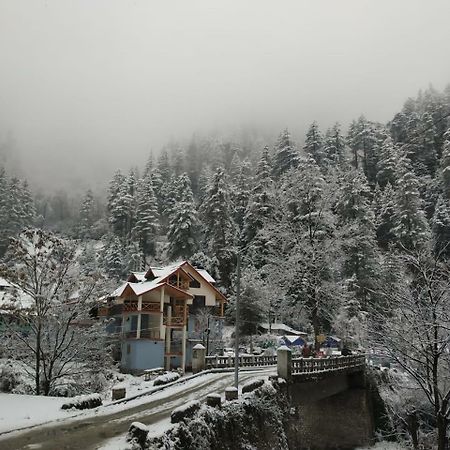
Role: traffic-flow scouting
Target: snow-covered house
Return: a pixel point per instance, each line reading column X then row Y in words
column 157, row 314
column 293, row 340
column 12, row 297
column 279, row 329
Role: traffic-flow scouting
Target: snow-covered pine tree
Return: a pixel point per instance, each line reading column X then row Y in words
column 240, row 192
column 300, row 244
column 286, row 155
column 146, row 226
column 445, row 166
column 384, row 205
column 184, row 226
column 218, row 226
column 258, row 211
column 86, row 215
column 334, row 146
column 357, row 236
column 314, row 144
column 112, row 257
column 387, row 163
column 410, row 225
column 440, row 226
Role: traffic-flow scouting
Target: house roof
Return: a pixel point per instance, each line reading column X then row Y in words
column 4, row 283
column 282, row 327
column 205, row 274
column 139, row 283
column 292, row 338
column 13, row 297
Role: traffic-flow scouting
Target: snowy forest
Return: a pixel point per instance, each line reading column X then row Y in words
column 341, row 231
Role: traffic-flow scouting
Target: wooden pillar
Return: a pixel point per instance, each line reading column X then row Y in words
column 161, row 318
column 183, row 350
column 139, row 308
column 168, row 335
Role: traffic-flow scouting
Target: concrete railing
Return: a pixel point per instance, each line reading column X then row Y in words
column 219, row 362
column 286, row 365
column 331, row 363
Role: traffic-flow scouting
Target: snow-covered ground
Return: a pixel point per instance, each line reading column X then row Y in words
column 18, row 411
column 385, row 446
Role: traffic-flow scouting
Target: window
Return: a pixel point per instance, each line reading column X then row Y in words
column 134, row 320
column 194, row 283
column 198, row 302
column 128, row 349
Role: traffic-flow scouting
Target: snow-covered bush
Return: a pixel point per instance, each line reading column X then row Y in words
column 83, row 402
column 166, row 378
column 258, row 421
column 13, row 379
column 137, row 434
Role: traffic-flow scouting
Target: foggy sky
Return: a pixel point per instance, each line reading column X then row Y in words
column 87, row 86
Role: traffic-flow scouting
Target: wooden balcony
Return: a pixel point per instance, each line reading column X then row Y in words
column 109, row 311
column 147, row 307
column 174, row 321
column 145, row 334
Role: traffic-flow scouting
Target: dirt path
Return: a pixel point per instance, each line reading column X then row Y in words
column 92, row 432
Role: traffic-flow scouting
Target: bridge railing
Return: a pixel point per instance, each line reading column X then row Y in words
column 219, row 362
column 332, row 363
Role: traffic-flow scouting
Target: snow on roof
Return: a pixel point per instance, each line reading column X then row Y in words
column 160, row 273
column 292, row 337
column 5, row 283
column 14, row 298
column 282, row 327
column 205, row 274
column 140, row 276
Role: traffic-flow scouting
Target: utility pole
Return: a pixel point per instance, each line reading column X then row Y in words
column 236, row 329
column 207, row 337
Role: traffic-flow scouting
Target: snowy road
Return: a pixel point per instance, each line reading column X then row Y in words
column 104, row 427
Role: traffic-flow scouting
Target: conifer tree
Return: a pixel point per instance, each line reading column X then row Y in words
column 384, row 208
column 87, row 216
column 219, row 229
column 146, row 227
column 286, row 155
column 314, row 144
column 360, row 266
column 183, row 228
column 441, row 228
column 258, row 211
column 387, row 163
column 410, row 225
column 445, row 166
column 334, row 146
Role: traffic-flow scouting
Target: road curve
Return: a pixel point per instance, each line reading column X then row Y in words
column 92, row 432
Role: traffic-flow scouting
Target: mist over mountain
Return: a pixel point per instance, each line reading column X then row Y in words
column 87, row 87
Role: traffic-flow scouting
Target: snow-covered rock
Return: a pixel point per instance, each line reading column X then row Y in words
column 83, row 402
column 186, row 411
column 166, row 378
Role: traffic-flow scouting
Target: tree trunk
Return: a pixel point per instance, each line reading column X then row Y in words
column 413, row 428
column 316, row 328
column 442, row 432
column 38, row 361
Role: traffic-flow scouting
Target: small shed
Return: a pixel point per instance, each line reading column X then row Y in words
column 333, row 342
column 293, row 341
column 279, row 329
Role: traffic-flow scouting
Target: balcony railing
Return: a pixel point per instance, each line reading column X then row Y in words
column 145, row 334
column 148, row 307
column 174, row 321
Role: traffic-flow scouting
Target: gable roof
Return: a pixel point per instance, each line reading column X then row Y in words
column 222, row 296
column 282, row 327
column 140, row 283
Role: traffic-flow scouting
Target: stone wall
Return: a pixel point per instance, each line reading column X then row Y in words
column 342, row 421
